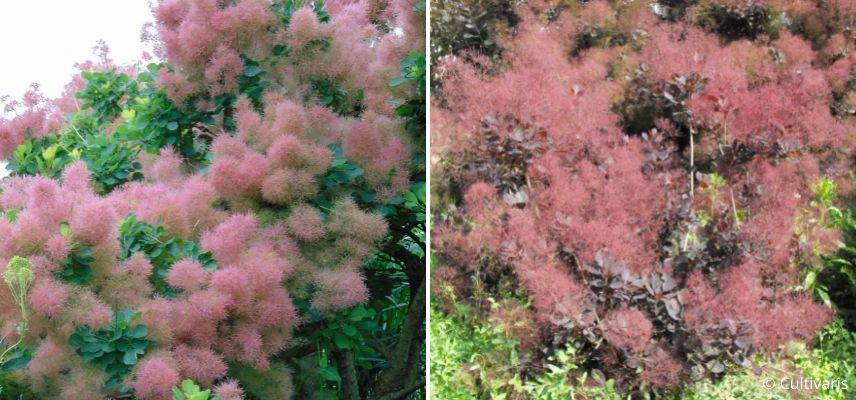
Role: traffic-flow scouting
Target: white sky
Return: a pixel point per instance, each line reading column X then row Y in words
column 42, row 39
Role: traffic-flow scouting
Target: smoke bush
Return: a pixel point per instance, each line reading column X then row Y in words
column 206, row 261
column 646, row 189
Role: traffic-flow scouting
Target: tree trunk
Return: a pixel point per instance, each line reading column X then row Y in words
column 403, row 370
column 348, row 371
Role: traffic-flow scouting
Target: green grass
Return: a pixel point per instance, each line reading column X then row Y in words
column 469, row 359
column 472, row 357
column 830, row 361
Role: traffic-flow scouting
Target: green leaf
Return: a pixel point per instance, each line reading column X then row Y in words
column 17, row 359
column 189, row 387
column 397, row 81
column 50, row 153
column 357, row 314
column 404, row 110
column 139, row 331
column 824, row 296
column 330, row 374
column 367, row 196
column 350, row 330
column 201, row 395
column 65, row 230
column 140, row 345
column 128, row 114
column 341, row 341
column 92, row 347
column 88, row 357
column 410, row 198
column 810, row 278
column 130, row 358
column 252, row 71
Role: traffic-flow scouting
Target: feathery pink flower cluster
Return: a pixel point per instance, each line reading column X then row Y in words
column 627, row 328
column 242, row 311
column 574, row 186
column 581, row 189
column 751, row 96
column 35, row 116
column 277, row 156
column 204, row 41
column 252, row 210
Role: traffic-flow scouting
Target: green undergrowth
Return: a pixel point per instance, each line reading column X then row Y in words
column 473, row 356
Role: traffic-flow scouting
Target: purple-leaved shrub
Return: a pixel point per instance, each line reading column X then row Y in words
column 646, row 181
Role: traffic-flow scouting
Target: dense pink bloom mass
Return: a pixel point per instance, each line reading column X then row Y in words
column 627, row 328
column 36, row 117
column 652, row 193
column 156, row 376
column 48, row 297
column 229, row 391
column 253, row 210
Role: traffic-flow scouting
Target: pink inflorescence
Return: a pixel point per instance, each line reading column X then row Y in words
column 554, row 183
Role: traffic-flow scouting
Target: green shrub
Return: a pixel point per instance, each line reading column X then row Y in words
column 472, row 358
column 191, row 391
column 830, row 360
column 115, row 349
column 160, row 248
column 475, row 358
column 14, row 356
column 273, row 383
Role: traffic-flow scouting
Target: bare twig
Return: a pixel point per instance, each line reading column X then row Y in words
column 692, row 183
column 734, row 208
column 404, row 392
column 692, row 163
